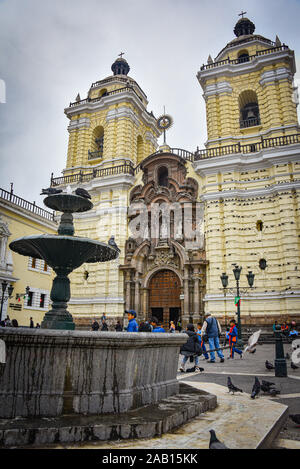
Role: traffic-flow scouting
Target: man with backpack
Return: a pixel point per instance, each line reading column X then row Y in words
column 212, row 330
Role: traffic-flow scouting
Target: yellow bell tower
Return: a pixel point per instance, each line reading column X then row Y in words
column 110, row 133
column 248, row 89
column 249, row 173
column 112, row 125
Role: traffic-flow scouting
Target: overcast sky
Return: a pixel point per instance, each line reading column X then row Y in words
column 51, row 50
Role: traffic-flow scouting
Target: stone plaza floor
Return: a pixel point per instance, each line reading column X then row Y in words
column 240, row 422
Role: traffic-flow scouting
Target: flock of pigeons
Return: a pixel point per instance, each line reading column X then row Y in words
column 82, row 193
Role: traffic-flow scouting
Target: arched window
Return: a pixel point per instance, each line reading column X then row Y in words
column 102, row 92
column 249, row 110
column 97, row 143
column 243, row 56
column 162, row 176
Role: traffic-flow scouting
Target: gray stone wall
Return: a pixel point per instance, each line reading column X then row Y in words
column 52, row 373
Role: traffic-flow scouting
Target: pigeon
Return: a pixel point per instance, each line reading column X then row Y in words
column 274, row 391
column 199, row 368
column 256, row 388
column 82, row 193
column 267, row 383
column 295, row 418
column 269, row 365
column 232, row 388
column 293, row 366
column 113, row 244
column 191, row 370
column 50, row 191
column 214, row 443
column 252, row 341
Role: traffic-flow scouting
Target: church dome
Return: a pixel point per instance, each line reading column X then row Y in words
column 244, row 27
column 120, row 66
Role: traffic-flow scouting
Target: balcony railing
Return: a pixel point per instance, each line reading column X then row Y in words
column 128, row 168
column 251, row 122
column 110, row 93
column 249, row 58
column 96, row 173
column 24, row 204
column 92, row 155
column 248, row 148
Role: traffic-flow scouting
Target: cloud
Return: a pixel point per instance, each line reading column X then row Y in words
column 50, row 51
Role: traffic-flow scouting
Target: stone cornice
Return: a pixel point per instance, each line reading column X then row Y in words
column 118, row 98
column 277, row 295
column 248, row 193
column 257, row 63
column 240, row 162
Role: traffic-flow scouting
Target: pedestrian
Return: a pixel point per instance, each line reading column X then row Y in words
column 293, row 332
column 31, row 323
column 37, row 326
column 103, row 317
column 285, row 329
column 104, row 327
column 275, row 327
column 95, row 325
column 172, row 327
column 212, row 329
column 132, row 324
column 191, row 349
column 145, row 326
column 156, row 327
column 226, row 338
column 118, row 327
column 14, row 323
column 7, row 322
column 201, row 341
column 233, row 339
column 179, row 327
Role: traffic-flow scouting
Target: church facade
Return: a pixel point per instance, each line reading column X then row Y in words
column 234, row 203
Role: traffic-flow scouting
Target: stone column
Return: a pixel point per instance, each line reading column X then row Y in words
column 196, row 294
column 144, row 302
column 128, row 295
column 137, row 293
column 186, row 312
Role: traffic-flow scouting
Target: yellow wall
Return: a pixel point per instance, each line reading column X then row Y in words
column 24, row 223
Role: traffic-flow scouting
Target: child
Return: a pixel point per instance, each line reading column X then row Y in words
column 199, row 328
column 232, row 339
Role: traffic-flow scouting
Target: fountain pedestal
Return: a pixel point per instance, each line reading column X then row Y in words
column 64, row 253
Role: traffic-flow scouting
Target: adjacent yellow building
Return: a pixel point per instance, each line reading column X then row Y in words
column 19, row 218
column 247, row 180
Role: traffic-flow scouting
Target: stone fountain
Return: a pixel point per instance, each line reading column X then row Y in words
column 64, row 253
column 60, row 385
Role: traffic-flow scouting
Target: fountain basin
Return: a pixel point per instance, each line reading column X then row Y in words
column 63, row 252
column 52, row 373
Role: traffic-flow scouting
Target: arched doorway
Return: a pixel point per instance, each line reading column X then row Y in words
column 164, row 297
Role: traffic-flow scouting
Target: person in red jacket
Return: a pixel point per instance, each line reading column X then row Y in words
column 232, row 339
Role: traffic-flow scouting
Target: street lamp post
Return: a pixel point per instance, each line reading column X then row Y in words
column 5, row 296
column 224, row 280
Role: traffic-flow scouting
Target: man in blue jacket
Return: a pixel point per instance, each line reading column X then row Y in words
column 132, row 324
column 211, row 327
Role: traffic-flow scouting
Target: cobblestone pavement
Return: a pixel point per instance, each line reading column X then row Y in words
column 243, row 371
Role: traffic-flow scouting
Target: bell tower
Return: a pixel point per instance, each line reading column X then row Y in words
column 248, row 89
column 111, row 124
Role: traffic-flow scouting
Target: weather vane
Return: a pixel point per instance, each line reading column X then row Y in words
column 242, row 14
column 164, row 122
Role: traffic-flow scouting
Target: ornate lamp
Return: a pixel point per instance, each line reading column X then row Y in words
column 237, row 272
column 250, row 277
column 224, row 279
